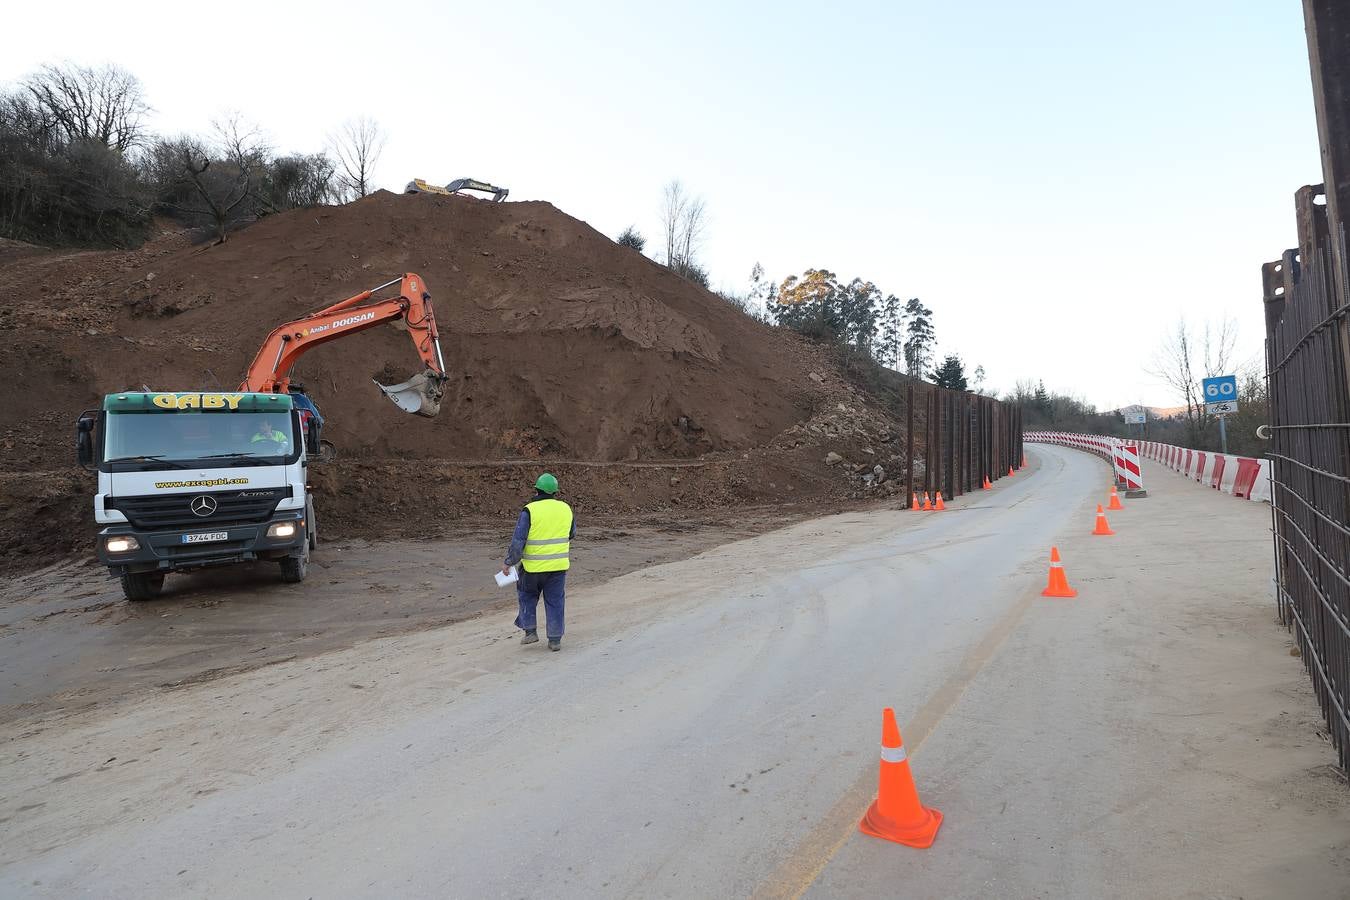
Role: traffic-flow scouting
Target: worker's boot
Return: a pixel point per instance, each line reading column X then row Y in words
column 531, row 637
column 554, row 643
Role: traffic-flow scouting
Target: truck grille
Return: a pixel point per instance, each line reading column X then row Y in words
column 158, row 512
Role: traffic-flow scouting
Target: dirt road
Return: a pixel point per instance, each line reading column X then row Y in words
column 69, row 640
column 711, row 729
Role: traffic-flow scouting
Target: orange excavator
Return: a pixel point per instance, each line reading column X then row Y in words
column 270, row 371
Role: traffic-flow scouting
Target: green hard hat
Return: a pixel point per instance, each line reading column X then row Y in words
column 546, row 483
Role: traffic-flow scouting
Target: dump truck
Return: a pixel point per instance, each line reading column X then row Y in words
column 190, row 478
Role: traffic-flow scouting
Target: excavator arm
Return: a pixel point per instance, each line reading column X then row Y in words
column 271, row 368
column 418, row 186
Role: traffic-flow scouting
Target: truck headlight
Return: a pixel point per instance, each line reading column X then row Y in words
column 281, row 530
column 123, row 543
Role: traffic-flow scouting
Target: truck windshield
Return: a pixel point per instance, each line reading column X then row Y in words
column 151, row 440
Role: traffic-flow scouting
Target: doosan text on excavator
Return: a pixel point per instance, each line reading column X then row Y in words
column 188, row 479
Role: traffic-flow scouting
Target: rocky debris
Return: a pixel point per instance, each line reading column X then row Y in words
column 833, row 459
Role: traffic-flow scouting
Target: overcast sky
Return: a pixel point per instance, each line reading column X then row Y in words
column 1058, row 181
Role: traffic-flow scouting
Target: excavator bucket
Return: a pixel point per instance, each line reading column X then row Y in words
column 420, row 395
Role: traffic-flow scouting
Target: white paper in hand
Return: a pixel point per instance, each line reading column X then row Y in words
column 504, row 580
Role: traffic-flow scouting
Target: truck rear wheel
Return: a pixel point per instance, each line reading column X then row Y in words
column 294, row 568
column 142, row 585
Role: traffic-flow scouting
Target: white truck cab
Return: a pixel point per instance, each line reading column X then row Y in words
column 194, row 479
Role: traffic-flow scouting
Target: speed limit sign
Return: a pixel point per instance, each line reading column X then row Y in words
column 1221, row 394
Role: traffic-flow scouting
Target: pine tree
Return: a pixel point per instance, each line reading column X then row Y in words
column 1041, row 399
column 856, row 315
column 951, row 374
column 810, row 304
column 889, row 350
column 859, row 312
column 631, row 237
column 919, row 337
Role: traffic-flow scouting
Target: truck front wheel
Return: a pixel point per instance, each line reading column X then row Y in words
column 294, row 568
column 142, row 585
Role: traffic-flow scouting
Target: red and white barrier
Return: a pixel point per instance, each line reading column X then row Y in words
column 1126, row 461
column 1240, row 476
column 1122, row 454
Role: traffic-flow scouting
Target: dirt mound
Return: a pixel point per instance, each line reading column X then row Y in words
column 561, row 345
column 558, row 340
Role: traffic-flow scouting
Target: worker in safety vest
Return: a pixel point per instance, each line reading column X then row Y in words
column 541, row 542
column 268, row 435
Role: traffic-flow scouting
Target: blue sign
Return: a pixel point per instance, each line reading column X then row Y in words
column 1220, row 389
column 1221, row 394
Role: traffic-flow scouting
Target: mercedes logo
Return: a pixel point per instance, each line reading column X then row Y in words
column 203, row 505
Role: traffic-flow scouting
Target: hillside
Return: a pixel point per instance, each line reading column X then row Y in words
column 561, row 345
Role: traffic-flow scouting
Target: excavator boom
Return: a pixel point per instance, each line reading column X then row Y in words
column 271, row 368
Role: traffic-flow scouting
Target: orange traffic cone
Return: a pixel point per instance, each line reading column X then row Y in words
column 939, row 505
column 1058, row 585
column 1010, row 471
column 1115, row 499
column 896, row 814
column 914, row 502
column 927, row 503
column 987, row 483
column 1103, row 527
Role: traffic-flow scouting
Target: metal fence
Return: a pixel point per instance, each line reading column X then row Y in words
column 1308, row 351
column 1307, row 299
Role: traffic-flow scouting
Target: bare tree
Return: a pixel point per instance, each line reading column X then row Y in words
column 673, row 203
column 692, row 226
column 55, row 191
column 684, row 219
column 220, row 182
column 1185, row 359
column 299, row 180
column 1023, row 392
column 357, row 146
column 102, row 105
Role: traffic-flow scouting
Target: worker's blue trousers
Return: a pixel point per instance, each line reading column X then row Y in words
column 552, row 585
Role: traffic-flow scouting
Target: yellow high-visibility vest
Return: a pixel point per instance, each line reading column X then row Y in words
column 549, row 540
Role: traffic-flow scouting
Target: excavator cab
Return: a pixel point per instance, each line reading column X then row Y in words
column 311, row 424
column 459, row 185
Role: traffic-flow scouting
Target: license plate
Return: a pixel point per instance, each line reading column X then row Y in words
column 205, row 537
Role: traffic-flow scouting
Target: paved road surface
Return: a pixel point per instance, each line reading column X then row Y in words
column 711, row 729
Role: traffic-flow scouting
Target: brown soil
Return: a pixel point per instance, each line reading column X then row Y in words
column 561, row 345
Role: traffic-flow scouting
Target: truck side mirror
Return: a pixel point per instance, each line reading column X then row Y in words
column 312, row 445
column 84, row 438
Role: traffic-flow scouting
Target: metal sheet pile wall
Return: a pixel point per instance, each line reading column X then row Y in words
column 960, row 437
